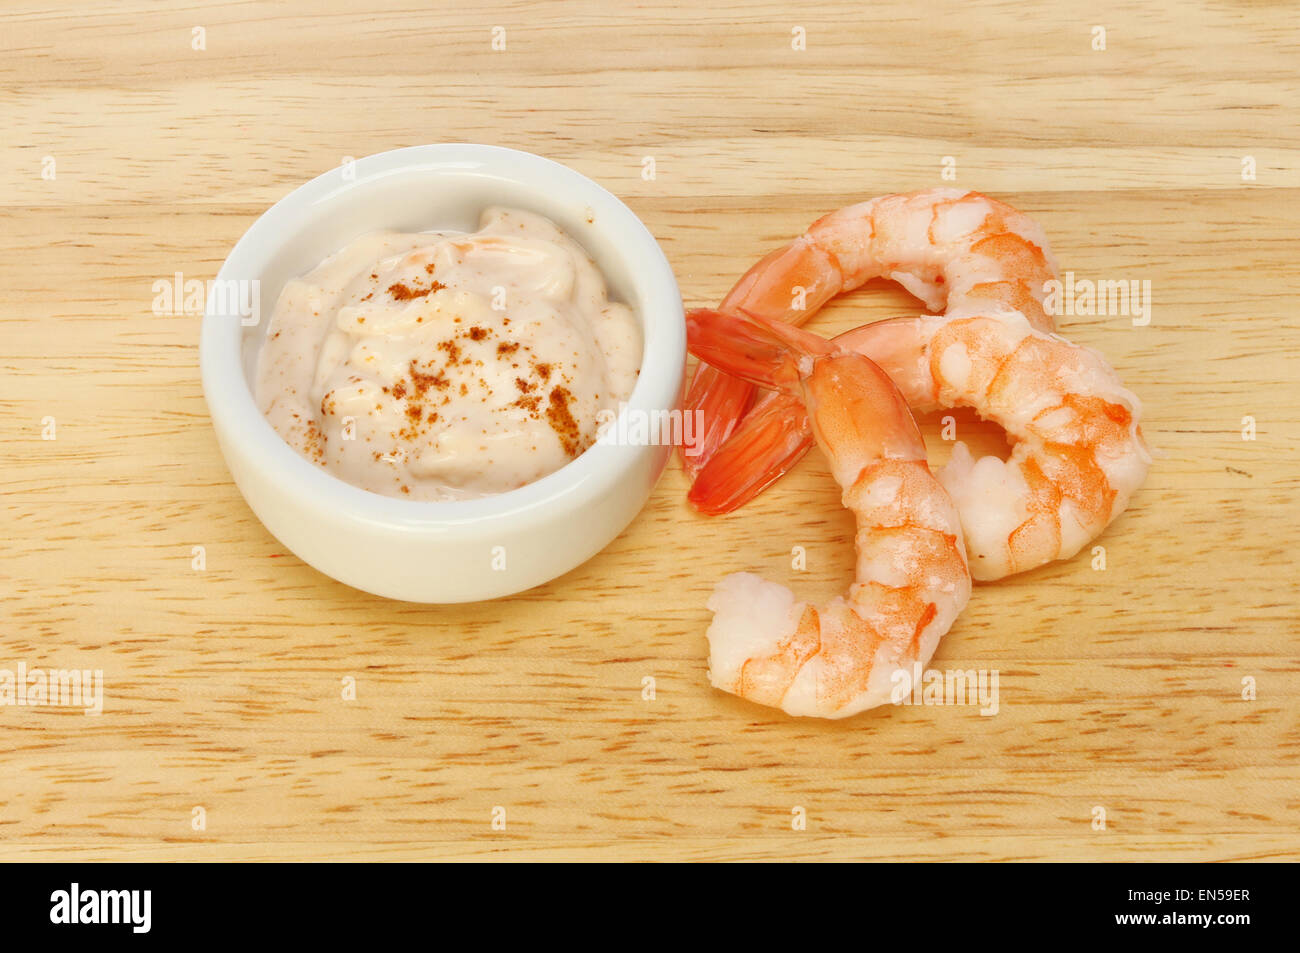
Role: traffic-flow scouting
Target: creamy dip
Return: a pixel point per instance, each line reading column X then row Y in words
column 444, row 365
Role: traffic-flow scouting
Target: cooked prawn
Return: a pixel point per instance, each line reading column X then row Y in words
column 1077, row 456
column 951, row 248
column 912, row 579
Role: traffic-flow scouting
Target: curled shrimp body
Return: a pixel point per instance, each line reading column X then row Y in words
column 949, row 247
column 912, row 579
column 1077, row 457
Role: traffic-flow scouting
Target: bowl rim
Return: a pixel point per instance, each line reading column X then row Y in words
column 229, row 392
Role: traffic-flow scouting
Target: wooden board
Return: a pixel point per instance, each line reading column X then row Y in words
column 1120, row 689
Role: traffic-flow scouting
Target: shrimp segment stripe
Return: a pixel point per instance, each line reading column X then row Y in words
column 897, row 614
column 1055, row 469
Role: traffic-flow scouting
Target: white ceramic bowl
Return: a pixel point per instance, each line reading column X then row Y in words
column 465, row 550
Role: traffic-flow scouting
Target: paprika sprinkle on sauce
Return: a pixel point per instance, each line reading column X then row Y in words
column 479, row 382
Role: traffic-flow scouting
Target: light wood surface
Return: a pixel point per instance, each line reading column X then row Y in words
column 1119, row 689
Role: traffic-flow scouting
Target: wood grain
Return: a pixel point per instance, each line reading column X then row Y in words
column 1119, row 689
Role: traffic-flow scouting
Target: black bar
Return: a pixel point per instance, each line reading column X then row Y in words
column 940, row 903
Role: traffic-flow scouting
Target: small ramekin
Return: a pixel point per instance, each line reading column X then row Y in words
column 458, row 551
